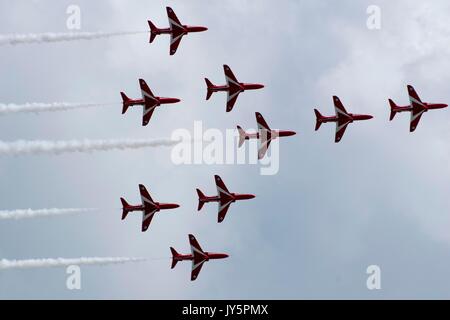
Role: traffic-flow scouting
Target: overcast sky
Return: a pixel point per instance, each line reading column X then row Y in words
column 379, row 197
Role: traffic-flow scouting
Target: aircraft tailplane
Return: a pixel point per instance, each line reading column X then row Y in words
column 242, row 136
column 210, row 87
column 126, row 102
column 125, row 208
column 154, row 31
column 319, row 119
column 201, row 199
column 393, row 109
column 175, row 255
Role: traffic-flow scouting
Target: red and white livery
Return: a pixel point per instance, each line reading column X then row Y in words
column 416, row 107
column 148, row 207
column 264, row 135
column 176, row 30
column 149, row 101
column 224, row 198
column 197, row 256
column 342, row 118
column 233, row 87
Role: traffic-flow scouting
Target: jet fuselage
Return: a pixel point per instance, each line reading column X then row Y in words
column 208, row 256
column 186, row 30
column 352, row 117
column 234, row 197
column 158, row 207
column 243, row 87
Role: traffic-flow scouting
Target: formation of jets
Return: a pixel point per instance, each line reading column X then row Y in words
column 149, row 207
column 265, row 135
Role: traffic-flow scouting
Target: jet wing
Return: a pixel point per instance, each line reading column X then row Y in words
column 225, row 198
column 222, row 190
column 416, row 114
column 224, row 204
column 265, row 135
column 174, row 22
column 177, row 30
column 147, row 217
column 175, row 39
column 418, row 108
column 339, row 108
column 148, row 112
column 147, row 200
column 234, row 87
column 150, row 102
column 199, row 257
column 232, row 98
column 196, row 267
column 341, row 125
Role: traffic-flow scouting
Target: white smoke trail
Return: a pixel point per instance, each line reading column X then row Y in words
column 14, row 39
column 57, row 147
column 29, row 213
column 62, row 262
column 46, row 107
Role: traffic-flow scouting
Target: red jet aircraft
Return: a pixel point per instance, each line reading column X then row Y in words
column 198, row 257
column 176, row 30
column 342, row 118
column 233, row 87
column 149, row 101
column 416, row 107
column 264, row 134
column 224, row 198
column 148, row 207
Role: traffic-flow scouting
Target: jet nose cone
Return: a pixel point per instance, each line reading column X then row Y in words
column 369, row 117
column 260, row 86
column 251, row 196
column 292, row 133
column 176, row 206
column 177, row 100
column 204, row 29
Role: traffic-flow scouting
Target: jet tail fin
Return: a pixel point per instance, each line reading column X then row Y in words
column 154, row 31
column 241, row 136
column 209, row 90
column 393, row 109
column 125, row 208
column 201, row 199
column 125, row 101
column 175, row 255
column 319, row 119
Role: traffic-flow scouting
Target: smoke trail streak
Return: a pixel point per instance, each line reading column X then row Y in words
column 14, row 39
column 62, row 262
column 29, row 213
column 22, row 147
column 46, row 107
